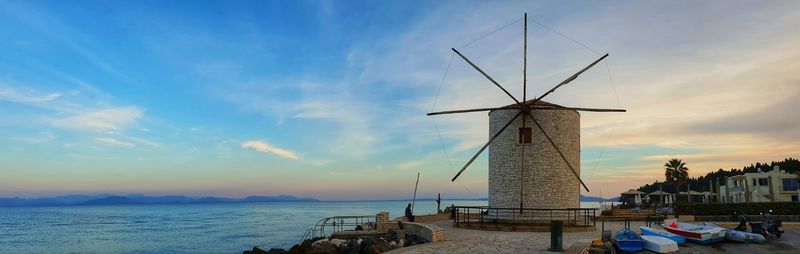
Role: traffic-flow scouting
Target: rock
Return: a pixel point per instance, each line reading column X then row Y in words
column 377, row 249
column 306, row 245
column 276, row 251
column 323, row 247
column 337, row 242
column 296, row 249
column 366, row 242
column 401, row 243
column 393, row 245
column 318, row 242
column 255, row 250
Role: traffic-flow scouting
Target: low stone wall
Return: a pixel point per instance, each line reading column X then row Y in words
column 433, row 217
column 428, row 232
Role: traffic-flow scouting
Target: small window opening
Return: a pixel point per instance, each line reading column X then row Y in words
column 525, row 135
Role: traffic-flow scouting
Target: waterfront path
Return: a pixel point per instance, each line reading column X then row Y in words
column 458, row 240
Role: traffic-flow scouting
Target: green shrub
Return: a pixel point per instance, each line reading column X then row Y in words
column 778, row 208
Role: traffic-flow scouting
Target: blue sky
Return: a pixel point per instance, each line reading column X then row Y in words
column 328, row 99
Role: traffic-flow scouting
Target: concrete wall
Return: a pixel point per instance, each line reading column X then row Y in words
column 546, row 181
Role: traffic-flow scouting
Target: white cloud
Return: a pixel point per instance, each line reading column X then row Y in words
column 115, row 142
column 267, row 148
column 12, row 95
column 112, row 119
column 408, row 165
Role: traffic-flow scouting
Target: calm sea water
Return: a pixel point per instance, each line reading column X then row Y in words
column 178, row 228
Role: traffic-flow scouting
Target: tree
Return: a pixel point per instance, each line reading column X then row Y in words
column 676, row 172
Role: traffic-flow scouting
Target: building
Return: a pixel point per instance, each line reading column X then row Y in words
column 772, row 186
column 539, row 178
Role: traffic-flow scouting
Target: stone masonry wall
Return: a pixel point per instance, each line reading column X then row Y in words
column 428, row 232
column 546, row 181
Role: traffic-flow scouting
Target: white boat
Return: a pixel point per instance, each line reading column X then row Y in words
column 659, row 244
column 739, row 236
column 701, row 234
column 662, row 233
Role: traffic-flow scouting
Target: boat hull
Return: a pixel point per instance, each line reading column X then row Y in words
column 659, row 244
column 695, row 233
column 744, row 237
column 628, row 241
column 661, row 233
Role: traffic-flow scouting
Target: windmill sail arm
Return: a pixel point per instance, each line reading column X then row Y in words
column 558, row 151
column 486, row 75
column 485, row 146
column 573, row 77
column 469, row 110
column 578, row 109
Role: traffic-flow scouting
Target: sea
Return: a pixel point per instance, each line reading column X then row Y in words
column 181, row 228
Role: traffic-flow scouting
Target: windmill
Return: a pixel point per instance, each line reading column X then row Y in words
column 529, row 110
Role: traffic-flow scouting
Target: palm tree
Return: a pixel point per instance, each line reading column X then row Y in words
column 676, row 172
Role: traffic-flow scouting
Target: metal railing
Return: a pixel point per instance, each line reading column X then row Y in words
column 331, row 225
column 485, row 214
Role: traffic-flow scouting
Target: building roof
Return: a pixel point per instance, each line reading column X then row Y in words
column 660, row 193
column 633, row 192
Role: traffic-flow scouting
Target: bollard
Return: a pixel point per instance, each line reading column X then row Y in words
column 556, row 238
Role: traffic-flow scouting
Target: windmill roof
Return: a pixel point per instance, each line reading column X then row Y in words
column 534, row 102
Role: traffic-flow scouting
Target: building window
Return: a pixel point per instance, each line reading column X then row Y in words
column 763, row 182
column 525, row 135
column 790, row 184
column 755, row 181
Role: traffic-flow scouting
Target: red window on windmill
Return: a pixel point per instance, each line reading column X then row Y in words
column 525, row 135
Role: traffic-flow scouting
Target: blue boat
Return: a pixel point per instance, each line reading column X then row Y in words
column 663, row 233
column 628, row 241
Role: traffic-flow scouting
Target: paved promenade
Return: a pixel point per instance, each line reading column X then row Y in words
column 459, row 240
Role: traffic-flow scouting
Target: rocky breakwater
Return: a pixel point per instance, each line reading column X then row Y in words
column 361, row 245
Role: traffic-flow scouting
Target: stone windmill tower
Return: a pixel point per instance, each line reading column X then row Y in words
column 534, row 157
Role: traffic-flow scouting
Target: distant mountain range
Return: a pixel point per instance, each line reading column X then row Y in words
column 598, row 199
column 132, row 199
column 108, row 199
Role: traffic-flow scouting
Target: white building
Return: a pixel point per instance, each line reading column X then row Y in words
column 773, row 186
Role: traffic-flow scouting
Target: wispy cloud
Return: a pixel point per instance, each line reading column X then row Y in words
column 9, row 94
column 112, row 119
column 264, row 147
column 114, row 142
column 408, row 165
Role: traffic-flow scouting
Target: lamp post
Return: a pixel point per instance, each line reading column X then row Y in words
column 675, row 200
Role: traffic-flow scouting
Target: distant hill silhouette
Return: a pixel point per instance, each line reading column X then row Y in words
column 111, row 200
column 108, row 199
column 598, row 199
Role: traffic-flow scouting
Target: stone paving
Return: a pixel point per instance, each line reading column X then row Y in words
column 459, row 240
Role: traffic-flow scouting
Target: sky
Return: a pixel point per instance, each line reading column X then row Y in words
column 328, row 98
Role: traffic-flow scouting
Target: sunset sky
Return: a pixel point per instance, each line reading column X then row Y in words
column 328, row 98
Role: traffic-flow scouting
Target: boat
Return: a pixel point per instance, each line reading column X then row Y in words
column 659, row 244
column 628, row 241
column 739, row 236
column 662, row 233
column 701, row 234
